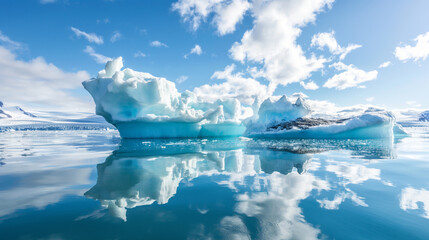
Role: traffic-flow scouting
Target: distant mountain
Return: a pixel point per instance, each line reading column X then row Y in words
column 14, row 112
column 424, row 116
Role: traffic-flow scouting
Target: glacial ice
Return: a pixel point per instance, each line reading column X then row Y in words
column 373, row 123
column 141, row 105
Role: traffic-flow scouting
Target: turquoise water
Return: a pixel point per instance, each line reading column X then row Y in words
column 91, row 185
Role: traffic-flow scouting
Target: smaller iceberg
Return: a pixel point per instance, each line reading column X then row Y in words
column 287, row 120
column 140, row 105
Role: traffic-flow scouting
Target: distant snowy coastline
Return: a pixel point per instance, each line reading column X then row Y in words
column 16, row 118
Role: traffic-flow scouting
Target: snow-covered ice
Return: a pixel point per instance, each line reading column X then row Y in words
column 14, row 112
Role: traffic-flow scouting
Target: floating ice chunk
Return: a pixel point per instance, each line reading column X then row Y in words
column 144, row 106
column 374, row 123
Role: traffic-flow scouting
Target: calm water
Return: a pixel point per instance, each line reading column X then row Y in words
column 90, row 184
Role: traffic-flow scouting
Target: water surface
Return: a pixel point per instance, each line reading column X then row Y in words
column 90, row 184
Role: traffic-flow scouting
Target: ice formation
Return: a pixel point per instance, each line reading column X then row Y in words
column 143, row 106
column 140, row 105
column 373, row 123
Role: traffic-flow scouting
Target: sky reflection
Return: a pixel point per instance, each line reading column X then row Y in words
column 212, row 188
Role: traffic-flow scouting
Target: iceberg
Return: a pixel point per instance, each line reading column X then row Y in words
column 372, row 124
column 287, row 120
column 140, row 105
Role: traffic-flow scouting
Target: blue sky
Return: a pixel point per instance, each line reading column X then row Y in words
column 42, row 30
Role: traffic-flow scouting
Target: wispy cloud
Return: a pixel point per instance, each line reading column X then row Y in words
column 181, row 79
column 139, row 54
column 116, row 36
column 413, row 104
column 47, row 1
column 157, row 43
column 5, row 40
column 385, row 64
column 91, row 37
column 327, row 39
column 105, row 20
column 99, row 58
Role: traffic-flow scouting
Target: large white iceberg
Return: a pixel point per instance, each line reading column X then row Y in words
column 140, row 105
column 143, row 106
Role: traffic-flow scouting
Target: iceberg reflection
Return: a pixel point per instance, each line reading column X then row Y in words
column 142, row 173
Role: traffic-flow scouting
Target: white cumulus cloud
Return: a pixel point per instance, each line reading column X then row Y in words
column 99, row 58
column 327, row 39
column 272, row 40
column 91, row 37
column 350, row 76
column 227, row 13
column 310, row 85
column 195, row 50
column 235, row 86
column 418, row 52
column 38, row 83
